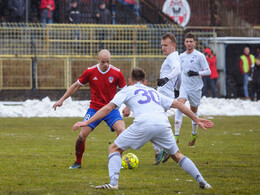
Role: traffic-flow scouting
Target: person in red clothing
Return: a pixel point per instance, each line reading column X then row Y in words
column 103, row 79
column 246, row 61
column 210, row 81
column 47, row 8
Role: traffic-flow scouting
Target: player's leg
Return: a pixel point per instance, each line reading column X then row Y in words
column 194, row 100
column 115, row 121
column 80, row 143
column 114, row 167
column 190, row 168
column 194, row 127
column 178, row 120
column 80, row 146
column 159, row 154
column 131, row 137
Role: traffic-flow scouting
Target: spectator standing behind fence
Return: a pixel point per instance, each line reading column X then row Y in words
column 211, row 80
column 16, row 8
column 102, row 14
column 73, row 13
column 246, row 61
column 74, row 17
column 256, row 79
column 47, row 10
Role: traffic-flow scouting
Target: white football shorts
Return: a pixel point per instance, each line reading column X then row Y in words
column 192, row 96
column 136, row 135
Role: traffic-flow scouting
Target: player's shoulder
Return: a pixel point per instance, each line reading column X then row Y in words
column 115, row 68
column 173, row 56
column 183, row 54
column 93, row 67
column 198, row 53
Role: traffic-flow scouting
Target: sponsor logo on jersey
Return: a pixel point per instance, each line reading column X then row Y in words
column 110, row 79
column 178, row 11
column 95, row 78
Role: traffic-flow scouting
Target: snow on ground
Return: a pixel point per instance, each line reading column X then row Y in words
column 43, row 108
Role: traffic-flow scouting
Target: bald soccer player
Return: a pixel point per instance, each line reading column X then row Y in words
column 103, row 79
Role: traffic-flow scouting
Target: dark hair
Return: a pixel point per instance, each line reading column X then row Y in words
column 190, row 36
column 138, row 74
column 170, row 36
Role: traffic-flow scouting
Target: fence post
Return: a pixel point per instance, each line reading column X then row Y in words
column 68, row 72
column 1, row 73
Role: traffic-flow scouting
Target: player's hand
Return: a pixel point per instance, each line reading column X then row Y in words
column 126, row 112
column 58, row 103
column 77, row 125
column 161, row 82
column 192, row 73
column 205, row 123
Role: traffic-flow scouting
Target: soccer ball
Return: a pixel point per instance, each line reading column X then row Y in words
column 130, row 161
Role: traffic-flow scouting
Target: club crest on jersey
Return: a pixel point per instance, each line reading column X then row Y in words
column 194, row 57
column 110, row 79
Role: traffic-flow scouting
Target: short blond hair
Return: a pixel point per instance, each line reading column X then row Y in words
column 170, row 36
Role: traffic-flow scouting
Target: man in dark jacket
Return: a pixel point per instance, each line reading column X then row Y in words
column 73, row 13
column 256, row 80
column 103, row 15
column 16, row 8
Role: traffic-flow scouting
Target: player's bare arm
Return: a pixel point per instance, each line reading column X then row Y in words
column 98, row 115
column 203, row 123
column 73, row 88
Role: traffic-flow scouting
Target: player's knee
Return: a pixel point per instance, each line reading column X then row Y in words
column 119, row 126
column 81, row 138
column 177, row 156
column 113, row 148
column 85, row 131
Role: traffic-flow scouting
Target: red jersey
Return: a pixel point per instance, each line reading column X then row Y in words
column 103, row 85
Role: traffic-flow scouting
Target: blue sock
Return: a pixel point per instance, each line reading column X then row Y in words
column 114, row 167
column 191, row 168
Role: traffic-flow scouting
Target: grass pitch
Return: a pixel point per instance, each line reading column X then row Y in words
column 36, row 153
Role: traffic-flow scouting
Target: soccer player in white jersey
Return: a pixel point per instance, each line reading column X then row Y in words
column 193, row 65
column 150, row 124
column 169, row 77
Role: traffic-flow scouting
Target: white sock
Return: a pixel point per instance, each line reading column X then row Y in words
column 191, row 168
column 157, row 150
column 194, row 126
column 178, row 122
column 114, row 166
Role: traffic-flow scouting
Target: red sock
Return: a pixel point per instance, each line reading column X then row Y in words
column 79, row 150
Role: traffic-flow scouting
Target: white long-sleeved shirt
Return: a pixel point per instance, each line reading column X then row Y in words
column 195, row 61
column 171, row 68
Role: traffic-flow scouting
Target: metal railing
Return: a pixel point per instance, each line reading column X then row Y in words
column 36, row 57
column 82, row 39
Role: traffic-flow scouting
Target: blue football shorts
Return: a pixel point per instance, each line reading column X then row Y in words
column 110, row 119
